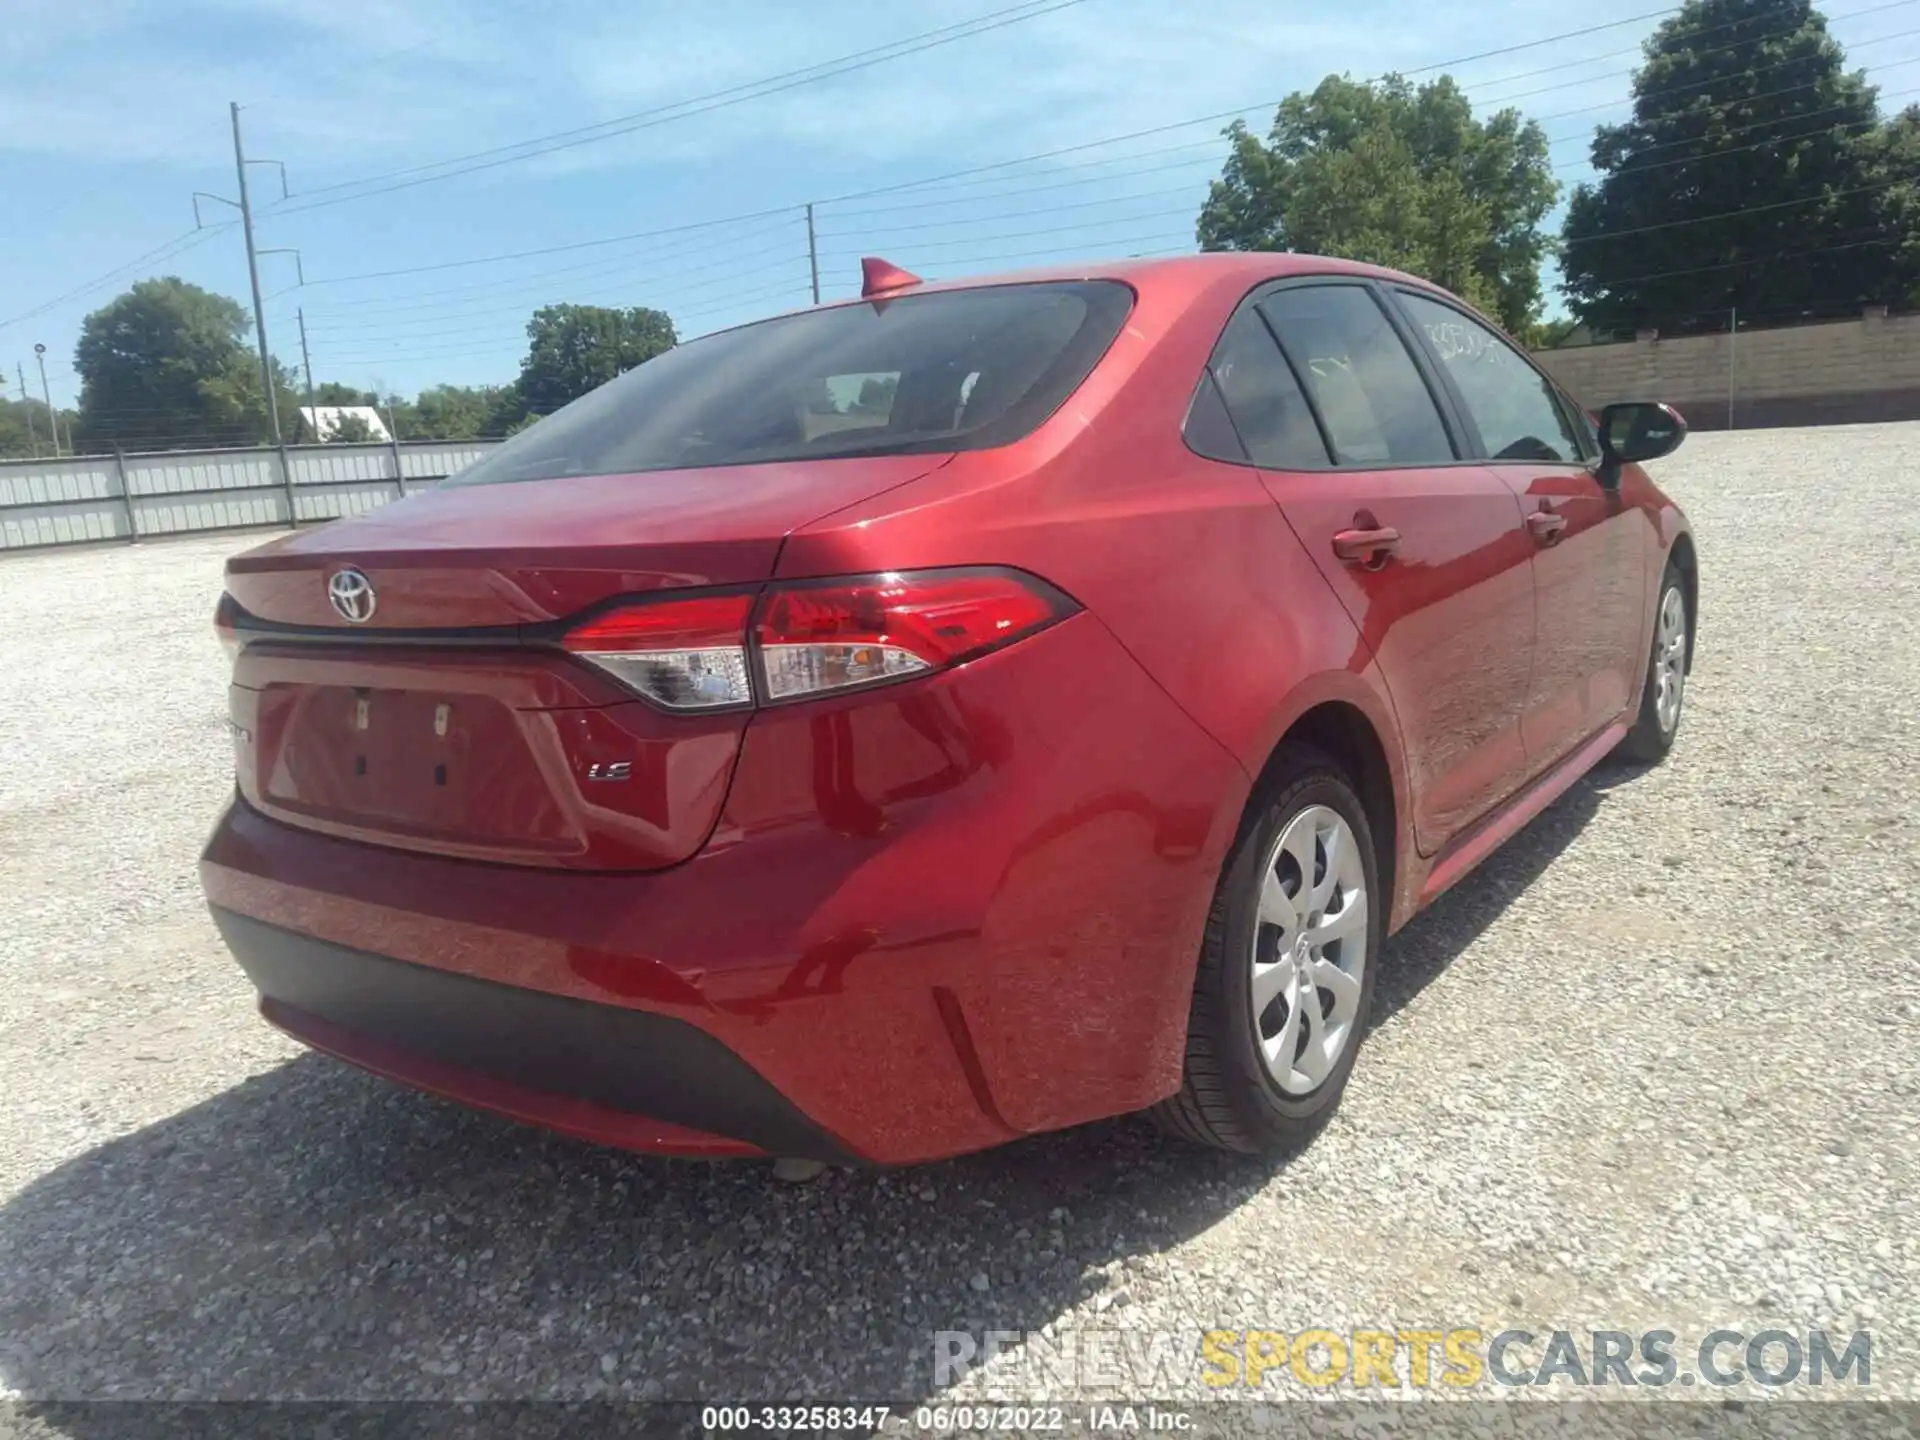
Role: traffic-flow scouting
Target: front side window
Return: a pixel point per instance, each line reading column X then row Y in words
column 1512, row 404
column 1364, row 384
column 912, row 374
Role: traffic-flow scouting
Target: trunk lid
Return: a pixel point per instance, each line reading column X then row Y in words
column 522, row 553
column 446, row 721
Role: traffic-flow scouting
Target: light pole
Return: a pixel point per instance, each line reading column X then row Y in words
column 26, row 404
column 46, row 394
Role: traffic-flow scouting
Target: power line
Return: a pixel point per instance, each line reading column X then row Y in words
column 1722, row 79
column 1748, row 210
column 1212, row 142
column 1617, row 281
column 624, row 264
column 1738, row 101
column 867, row 236
column 1242, row 110
column 719, row 100
column 65, row 205
column 1024, row 234
column 1698, row 84
column 179, row 245
column 1633, row 169
column 931, row 181
column 1189, row 163
column 185, row 241
column 1741, row 130
column 412, row 350
column 517, row 312
column 1697, row 54
column 555, row 249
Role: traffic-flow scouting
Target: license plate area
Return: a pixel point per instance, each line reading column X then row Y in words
column 416, row 763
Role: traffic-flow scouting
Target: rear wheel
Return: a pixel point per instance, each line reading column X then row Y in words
column 1286, row 970
column 1666, row 685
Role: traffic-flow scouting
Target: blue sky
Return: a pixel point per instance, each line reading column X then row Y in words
column 114, row 111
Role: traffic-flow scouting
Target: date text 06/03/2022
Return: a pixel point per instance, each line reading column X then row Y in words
column 946, row 1419
column 1043, row 1419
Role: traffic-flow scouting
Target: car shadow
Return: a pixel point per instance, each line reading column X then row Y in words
column 315, row 1233
column 1428, row 943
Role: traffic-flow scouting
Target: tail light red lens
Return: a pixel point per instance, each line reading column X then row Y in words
column 224, row 629
column 816, row 638
column 813, row 638
column 684, row 654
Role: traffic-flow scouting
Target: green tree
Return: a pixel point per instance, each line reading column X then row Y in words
column 453, row 412
column 350, row 430
column 1747, row 178
column 572, row 349
column 1397, row 175
column 1551, row 334
column 332, row 392
column 876, row 394
column 26, row 428
column 1892, row 161
column 166, row 365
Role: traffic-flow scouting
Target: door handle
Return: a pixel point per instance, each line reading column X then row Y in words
column 1366, row 548
column 1546, row 526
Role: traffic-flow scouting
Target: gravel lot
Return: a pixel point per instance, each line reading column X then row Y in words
column 1653, row 1066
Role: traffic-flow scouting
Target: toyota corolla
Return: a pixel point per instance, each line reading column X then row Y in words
column 968, row 710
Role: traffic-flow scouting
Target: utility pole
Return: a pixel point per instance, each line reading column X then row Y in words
column 245, row 206
column 1733, row 329
column 813, row 254
column 26, row 404
column 46, row 394
column 253, row 274
column 306, row 363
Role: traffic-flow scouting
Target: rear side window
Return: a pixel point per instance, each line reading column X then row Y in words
column 912, row 374
column 1259, row 392
column 1513, row 406
column 1369, row 394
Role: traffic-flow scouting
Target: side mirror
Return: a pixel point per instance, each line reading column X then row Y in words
column 1634, row 431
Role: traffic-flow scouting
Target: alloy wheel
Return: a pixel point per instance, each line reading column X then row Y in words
column 1309, row 949
column 1670, row 659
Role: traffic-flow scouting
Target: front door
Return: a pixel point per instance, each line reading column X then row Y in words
column 1428, row 554
column 1589, row 593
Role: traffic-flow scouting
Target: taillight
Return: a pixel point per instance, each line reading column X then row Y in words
column 684, row 654
column 842, row 633
column 224, row 629
column 812, row 637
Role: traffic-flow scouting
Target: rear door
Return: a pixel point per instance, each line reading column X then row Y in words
column 1588, row 590
column 1426, row 552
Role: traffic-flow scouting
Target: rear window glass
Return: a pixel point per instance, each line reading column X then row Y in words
column 949, row 370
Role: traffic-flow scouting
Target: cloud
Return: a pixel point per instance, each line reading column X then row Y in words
column 362, row 86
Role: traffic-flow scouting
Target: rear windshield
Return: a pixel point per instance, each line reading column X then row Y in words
column 949, row 370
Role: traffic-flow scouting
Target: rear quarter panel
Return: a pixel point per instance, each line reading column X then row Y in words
column 1186, row 560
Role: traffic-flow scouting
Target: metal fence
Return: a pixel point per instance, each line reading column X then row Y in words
column 129, row 497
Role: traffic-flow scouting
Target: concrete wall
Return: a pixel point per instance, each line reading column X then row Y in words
column 107, row 497
column 1836, row 372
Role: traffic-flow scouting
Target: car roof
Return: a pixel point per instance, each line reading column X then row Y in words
column 1190, row 274
column 1211, row 266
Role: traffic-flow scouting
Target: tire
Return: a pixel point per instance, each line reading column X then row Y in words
column 1668, row 663
column 1231, row 1096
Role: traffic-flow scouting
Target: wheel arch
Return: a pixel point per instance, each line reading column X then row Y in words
column 1681, row 555
column 1344, row 731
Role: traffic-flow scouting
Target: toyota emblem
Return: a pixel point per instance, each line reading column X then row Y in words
column 352, row 596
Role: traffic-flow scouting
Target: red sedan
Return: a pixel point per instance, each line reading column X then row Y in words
column 893, row 728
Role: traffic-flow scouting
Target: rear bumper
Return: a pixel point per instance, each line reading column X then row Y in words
column 625, row 1077
column 930, row 919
